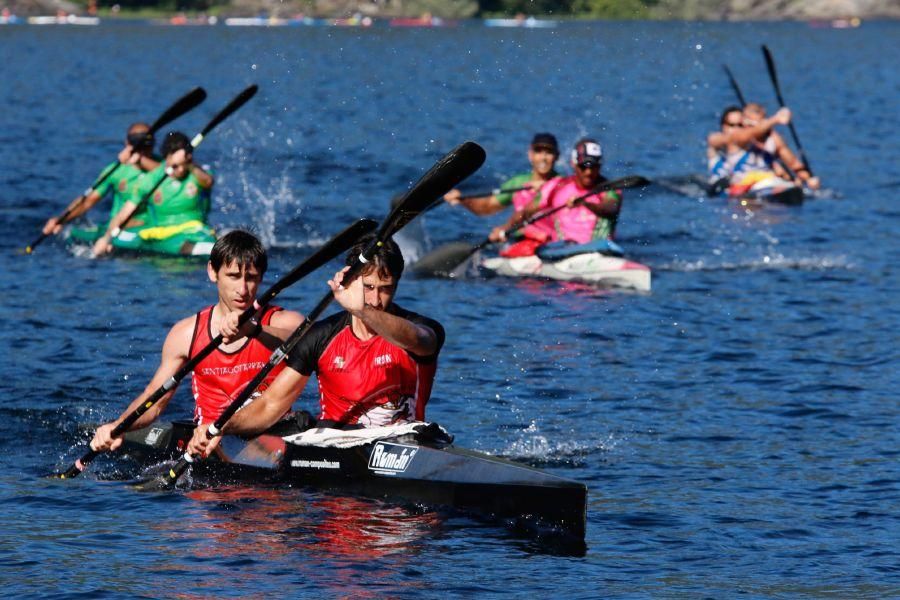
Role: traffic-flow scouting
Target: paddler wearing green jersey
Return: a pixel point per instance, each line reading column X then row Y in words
column 178, row 204
column 542, row 154
column 118, row 178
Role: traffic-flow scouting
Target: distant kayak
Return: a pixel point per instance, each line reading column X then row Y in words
column 63, row 20
column 791, row 195
column 424, row 21
column 528, row 23
column 784, row 192
column 190, row 239
column 772, row 189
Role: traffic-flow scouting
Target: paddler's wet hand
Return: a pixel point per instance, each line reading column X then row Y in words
column 351, row 297
column 52, row 226
column 103, row 440
column 498, row 234
column 452, row 197
column 103, row 246
column 200, row 444
column 128, row 155
column 783, row 116
column 230, row 330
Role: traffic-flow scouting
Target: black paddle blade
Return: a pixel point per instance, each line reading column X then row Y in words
column 773, row 75
column 442, row 261
column 735, row 86
column 163, row 481
column 331, row 250
column 184, row 104
column 446, row 174
column 235, row 104
column 630, row 181
column 78, row 466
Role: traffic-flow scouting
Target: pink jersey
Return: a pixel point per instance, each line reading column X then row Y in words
column 577, row 224
column 523, row 199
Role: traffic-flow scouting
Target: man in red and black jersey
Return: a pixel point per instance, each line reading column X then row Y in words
column 236, row 265
column 375, row 362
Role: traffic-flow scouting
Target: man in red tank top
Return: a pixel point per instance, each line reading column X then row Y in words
column 375, row 362
column 236, row 265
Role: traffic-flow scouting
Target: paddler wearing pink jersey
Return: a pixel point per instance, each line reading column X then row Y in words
column 593, row 219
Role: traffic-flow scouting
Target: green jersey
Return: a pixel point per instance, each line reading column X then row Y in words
column 121, row 184
column 516, row 181
column 175, row 201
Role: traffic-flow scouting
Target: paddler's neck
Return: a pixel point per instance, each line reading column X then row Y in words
column 541, row 177
column 360, row 330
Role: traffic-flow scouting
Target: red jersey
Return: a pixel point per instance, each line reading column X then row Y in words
column 371, row 382
column 222, row 376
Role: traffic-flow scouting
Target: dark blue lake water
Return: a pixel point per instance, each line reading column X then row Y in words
column 737, row 427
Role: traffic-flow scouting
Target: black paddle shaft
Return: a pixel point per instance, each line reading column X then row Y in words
column 735, row 87
column 441, row 178
column 181, row 106
column 773, row 75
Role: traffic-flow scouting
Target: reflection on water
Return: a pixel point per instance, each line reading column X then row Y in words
column 330, row 540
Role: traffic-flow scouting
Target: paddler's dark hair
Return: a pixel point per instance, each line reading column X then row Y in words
column 388, row 259
column 728, row 110
column 175, row 141
column 140, row 138
column 239, row 246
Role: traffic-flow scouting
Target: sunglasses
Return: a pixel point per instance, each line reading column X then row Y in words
column 140, row 139
column 584, row 166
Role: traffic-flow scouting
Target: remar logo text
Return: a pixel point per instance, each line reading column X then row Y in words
column 387, row 458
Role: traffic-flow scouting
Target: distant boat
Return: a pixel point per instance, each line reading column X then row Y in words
column 275, row 21
column 527, row 22
column 354, row 21
column 63, row 20
column 255, row 22
column 425, row 20
column 7, row 18
column 182, row 19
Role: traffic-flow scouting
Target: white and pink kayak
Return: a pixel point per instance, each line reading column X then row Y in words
column 590, row 267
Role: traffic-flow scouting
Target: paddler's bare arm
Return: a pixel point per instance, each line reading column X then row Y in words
column 203, row 178
column 479, row 205
column 716, row 142
column 747, row 135
column 257, row 416
column 793, row 162
column 417, row 339
column 53, row 225
column 607, row 205
column 104, row 244
column 174, row 355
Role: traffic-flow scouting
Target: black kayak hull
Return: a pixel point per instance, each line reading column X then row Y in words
column 404, row 469
column 790, row 196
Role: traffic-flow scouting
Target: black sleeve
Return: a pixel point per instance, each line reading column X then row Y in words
column 431, row 324
column 304, row 358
